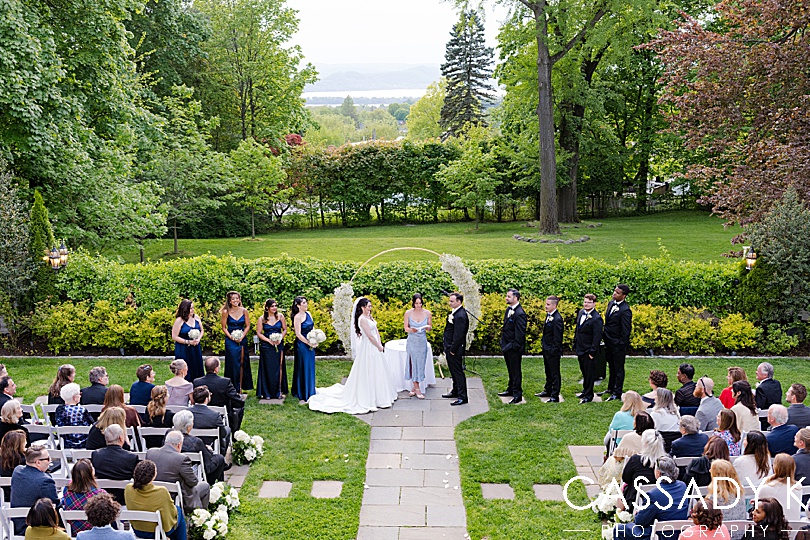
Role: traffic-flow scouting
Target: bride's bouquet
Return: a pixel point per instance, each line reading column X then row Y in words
column 275, row 337
column 316, row 337
column 193, row 334
column 237, row 335
column 246, row 448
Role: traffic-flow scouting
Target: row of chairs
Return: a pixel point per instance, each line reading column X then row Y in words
column 7, row 514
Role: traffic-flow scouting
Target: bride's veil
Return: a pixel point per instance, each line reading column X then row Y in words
column 355, row 339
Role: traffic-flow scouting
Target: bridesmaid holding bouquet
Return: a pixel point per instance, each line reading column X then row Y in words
column 236, row 325
column 187, row 331
column 272, row 379
column 303, row 385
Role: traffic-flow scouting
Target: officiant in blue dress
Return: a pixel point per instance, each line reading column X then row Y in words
column 237, row 353
column 271, row 382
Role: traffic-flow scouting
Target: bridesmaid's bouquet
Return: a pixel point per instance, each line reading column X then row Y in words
column 316, row 337
column 205, row 525
column 246, row 448
column 275, row 337
column 193, row 334
column 237, row 335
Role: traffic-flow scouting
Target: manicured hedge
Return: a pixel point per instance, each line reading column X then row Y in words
column 206, row 279
column 69, row 327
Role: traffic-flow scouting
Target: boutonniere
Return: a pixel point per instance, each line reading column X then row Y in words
column 450, row 318
column 614, row 309
column 588, row 317
column 549, row 318
column 510, row 312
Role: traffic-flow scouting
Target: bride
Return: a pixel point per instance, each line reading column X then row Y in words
column 369, row 385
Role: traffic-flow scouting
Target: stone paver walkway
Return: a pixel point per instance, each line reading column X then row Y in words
column 412, row 489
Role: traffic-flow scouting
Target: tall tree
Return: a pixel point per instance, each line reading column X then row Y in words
column 259, row 179
column 423, row 118
column 16, row 263
column 349, row 110
column 468, row 71
column 739, row 97
column 41, row 241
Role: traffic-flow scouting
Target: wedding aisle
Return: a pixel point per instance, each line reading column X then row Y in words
column 412, row 488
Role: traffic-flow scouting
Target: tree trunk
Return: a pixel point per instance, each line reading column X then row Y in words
column 645, row 148
column 545, row 119
column 252, row 223
column 175, row 236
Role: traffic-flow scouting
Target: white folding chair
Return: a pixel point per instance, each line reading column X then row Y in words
column 223, row 411
column 149, row 517
column 93, row 408
column 7, row 515
column 42, row 430
column 615, row 437
column 5, row 481
column 208, row 433
column 47, row 411
column 31, row 410
column 144, row 432
column 197, row 464
column 104, row 483
column 684, row 461
column 69, row 516
column 141, row 409
column 61, row 431
column 176, row 408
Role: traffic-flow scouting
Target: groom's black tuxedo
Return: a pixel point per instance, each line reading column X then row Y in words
column 513, row 343
column 618, row 324
column 455, row 340
column 587, row 336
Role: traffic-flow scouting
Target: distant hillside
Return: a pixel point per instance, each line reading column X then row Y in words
column 374, row 77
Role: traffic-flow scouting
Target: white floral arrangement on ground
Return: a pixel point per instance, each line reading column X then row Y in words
column 466, row 284
column 193, row 334
column 223, row 494
column 620, row 517
column 275, row 337
column 237, row 335
column 604, row 505
column 342, row 315
column 316, row 336
column 246, row 448
column 205, row 525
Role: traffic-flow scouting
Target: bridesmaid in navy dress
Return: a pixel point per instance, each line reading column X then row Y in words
column 237, row 355
column 186, row 348
column 272, row 379
column 303, row 384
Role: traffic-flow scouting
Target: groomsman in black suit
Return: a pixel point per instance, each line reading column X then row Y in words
column 455, row 341
column 618, row 324
column 587, row 336
column 513, row 343
column 552, row 350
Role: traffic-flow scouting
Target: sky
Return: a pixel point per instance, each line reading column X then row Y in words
column 379, row 31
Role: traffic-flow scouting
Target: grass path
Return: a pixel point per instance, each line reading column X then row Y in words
column 687, row 235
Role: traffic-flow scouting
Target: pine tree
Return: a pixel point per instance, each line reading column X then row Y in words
column 41, row 240
column 468, row 70
column 16, row 266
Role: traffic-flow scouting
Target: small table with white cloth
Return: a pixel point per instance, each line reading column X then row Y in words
column 397, row 360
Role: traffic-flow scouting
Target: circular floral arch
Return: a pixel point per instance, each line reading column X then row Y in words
column 462, row 278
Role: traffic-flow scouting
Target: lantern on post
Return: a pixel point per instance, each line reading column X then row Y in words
column 750, row 257
column 57, row 258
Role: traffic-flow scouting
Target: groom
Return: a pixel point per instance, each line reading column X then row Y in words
column 455, row 340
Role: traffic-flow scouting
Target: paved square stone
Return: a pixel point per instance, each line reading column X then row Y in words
column 474, row 382
column 431, row 495
column 423, row 433
column 497, row 491
column 381, row 495
column 384, row 461
column 272, row 401
column 446, row 516
column 395, row 446
column 586, row 471
column 580, row 460
column 476, row 394
column 326, row 489
column 239, row 470
column 433, row 533
column 440, row 447
column 595, row 450
column 236, row 481
column 386, row 433
column 412, row 404
column 545, row 400
column 391, row 417
column 394, row 515
column 378, row 533
column 548, row 492
column 507, row 399
column 596, row 461
column 593, row 490
column 395, row 477
column 436, row 478
column 275, row 490
column 429, row 461
column 438, row 419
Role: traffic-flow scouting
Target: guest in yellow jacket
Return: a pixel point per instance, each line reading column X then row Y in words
column 143, row 495
column 43, row 522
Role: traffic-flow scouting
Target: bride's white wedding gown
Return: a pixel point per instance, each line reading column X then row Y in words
column 369, row 386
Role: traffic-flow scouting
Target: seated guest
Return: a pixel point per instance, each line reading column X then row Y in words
column 769, row 521
column 64, row 375
column 664, row 504
column 205, row 418
column 12, row 454
column 157, row 416
column 778, row 486
column 801, row 458
column 223, row 393
column 781, row 436
column 727, row 395
column 7, row 389
column 658, row 379
column 10, row 415
column 102, row 511
column 43, row 522
column 798, row 412
column 727, row 488
column 115, row 398
column 94, row 394
column 691, row 443
column 113, row 415
column 700, row 468
column 173, row 466
column 640, row 466
column 31, row 482
column 685, row 395
column 214, row 464
column 755, row 462
column 745, row 409
column 708, row 522
column 631, row 443
column 79, row 491
column 727, row 430
column 143, row 495
column 665, row 413
column 141, row 390
column 624, row 418
column 113, row 462
column 179, row 388
column 769, row 390
column 73, row 414
column 709, row 407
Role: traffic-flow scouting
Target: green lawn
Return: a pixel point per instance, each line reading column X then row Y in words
column 522, row 445
column 686, row 235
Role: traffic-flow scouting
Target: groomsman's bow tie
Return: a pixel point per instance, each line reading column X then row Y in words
column 549, row 318
column 510, row 312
